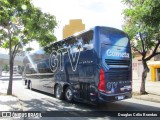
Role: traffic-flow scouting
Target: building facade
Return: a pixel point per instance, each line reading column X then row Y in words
column 154, row 68
column 74, row 26
column 4, row 60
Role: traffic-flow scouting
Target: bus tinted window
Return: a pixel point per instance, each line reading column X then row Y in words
column 86, row 39
column 113, row 37
column 30, row 69
column 78, row 43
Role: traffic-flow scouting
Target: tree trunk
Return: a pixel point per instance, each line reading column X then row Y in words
column 9, row 91
column 144, row 75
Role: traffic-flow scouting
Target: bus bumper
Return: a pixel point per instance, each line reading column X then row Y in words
column 102, row 97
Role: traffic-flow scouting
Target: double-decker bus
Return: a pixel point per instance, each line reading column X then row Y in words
column 93, row 66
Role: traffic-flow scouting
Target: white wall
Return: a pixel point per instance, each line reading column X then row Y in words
column 137, row 69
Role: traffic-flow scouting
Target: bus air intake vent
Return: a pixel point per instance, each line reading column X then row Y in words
column 112, row 62
column 119, row 76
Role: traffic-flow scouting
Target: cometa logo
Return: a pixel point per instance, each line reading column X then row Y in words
column 117, row 54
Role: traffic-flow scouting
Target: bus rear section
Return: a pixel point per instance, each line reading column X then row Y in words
column 115, row 74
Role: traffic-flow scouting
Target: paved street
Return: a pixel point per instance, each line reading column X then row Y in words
column 37, row 101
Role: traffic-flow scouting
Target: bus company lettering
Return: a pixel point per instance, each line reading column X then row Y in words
column 109, row 52
column 57, row 59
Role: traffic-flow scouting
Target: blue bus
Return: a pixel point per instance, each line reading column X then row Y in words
column 94, row 66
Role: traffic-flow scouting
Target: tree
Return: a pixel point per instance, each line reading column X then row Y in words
column 5, row 67
column 142, row 24
column 21, row 23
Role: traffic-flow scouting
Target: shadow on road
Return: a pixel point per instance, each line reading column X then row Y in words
column 60, row 108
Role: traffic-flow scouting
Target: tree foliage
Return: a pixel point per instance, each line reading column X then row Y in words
column 21, row 23
column 5, row 67
column 143, row 26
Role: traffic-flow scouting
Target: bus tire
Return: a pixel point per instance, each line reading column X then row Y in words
column 58, row 92
column 29, row 85
column 25, row 82
column 69, row 94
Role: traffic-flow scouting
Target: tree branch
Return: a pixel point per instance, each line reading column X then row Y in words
column 15, row 50
column 154, row 53
column 10, row 43
column 143, row 46
column 158, row 53
column 135, row 49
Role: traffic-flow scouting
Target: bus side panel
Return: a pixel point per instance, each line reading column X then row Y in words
column 86, row 68
column 31, row 74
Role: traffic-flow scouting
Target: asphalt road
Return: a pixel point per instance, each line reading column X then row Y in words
column 32, row 100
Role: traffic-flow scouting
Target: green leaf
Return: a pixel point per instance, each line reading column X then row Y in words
column 142, row 16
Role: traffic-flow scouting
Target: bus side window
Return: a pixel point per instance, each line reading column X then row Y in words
column 74, row 49
column 87, row 40
column 24, row 72
column 27, row 69
column 88, row 46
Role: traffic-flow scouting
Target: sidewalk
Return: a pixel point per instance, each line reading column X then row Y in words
column 8, row 102
column 12, row 103
column 153, row 88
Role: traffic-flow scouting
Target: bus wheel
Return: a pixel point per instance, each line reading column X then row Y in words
column 69, row 94
column 58, row 92
column 25, row 82
column 29, row 85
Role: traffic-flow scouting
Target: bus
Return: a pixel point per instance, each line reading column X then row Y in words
column 93, row 66
column 17, row 70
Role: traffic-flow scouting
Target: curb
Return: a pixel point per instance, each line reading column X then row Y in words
column 8, row 79
column 148, row 97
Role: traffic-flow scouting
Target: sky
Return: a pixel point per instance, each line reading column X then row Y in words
column 92, row 12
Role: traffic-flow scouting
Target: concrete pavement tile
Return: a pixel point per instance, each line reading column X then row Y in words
column 9, row 103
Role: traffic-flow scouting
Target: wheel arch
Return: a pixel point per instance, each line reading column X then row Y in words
column 55, row 87
column 63, row 85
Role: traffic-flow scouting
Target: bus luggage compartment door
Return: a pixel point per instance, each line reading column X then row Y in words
column 84, row 90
